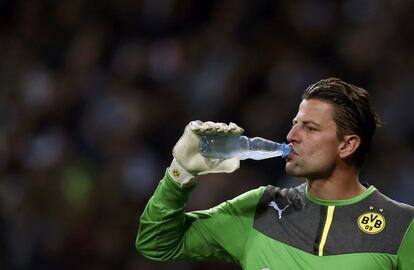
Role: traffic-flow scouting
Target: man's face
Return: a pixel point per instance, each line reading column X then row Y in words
column 314, row 140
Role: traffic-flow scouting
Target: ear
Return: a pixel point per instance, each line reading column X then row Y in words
column 349, row 145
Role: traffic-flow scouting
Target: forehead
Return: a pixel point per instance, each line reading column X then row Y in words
column 315, row 110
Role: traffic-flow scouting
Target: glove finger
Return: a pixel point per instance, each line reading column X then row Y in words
column 222, row 128
column 195, row 125
column 211, row 128
column 201, row 128
column 235, row 129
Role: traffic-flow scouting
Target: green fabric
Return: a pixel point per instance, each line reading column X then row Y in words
column 226, row 233
column 342, row 202
column 276, row 255
column 406, row 251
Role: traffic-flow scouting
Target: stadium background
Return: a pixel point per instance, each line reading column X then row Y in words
column 94, row 95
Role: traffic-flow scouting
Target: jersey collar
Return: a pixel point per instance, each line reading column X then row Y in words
column 353, row 200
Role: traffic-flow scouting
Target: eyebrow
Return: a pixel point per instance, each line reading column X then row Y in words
column 306, row 122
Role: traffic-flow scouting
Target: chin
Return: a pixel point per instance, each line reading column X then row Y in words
column 290, row 170
column 293, row 169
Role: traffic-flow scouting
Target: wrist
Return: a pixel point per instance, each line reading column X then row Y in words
column 179, row 174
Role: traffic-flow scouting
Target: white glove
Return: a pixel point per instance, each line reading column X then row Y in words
column 188, row 162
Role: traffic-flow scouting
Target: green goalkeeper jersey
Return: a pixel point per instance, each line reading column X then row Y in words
column 271, row 228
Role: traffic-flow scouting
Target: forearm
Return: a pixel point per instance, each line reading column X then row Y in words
column 166, row 231
column 161, row 227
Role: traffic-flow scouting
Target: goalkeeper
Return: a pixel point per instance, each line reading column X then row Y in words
column 331, row 221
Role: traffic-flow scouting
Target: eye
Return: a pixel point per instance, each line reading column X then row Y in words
column 308, row 128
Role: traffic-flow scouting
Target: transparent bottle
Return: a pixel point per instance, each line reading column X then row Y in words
column 224, row 147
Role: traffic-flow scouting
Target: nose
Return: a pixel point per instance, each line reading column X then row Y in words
column 293, row 136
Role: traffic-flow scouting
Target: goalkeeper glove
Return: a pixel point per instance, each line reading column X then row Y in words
column 188, row 162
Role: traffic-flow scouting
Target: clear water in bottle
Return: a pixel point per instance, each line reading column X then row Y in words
column 224, row 147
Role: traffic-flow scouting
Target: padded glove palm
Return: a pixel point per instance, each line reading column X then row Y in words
column 186, row 151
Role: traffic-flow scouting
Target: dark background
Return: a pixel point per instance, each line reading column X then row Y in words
column 94, row 95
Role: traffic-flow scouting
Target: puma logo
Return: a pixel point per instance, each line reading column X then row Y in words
column 276, row 207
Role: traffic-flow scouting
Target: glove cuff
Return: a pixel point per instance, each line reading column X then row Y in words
column 179, row 174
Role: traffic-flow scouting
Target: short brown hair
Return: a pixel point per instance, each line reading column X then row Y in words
column 354, row 112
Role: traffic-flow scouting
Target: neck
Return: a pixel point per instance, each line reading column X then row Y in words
column 341, row 186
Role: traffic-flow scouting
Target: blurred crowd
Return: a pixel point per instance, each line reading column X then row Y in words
column 94, row 95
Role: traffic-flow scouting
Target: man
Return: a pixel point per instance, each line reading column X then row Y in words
column 332, row 221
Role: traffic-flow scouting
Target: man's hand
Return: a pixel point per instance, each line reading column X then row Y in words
column 186, row 151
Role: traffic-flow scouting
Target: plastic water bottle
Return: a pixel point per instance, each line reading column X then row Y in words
column 224, row 147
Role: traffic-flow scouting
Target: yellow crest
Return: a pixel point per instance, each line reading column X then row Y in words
column 371, row 222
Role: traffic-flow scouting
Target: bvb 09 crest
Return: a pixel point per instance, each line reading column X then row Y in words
column 371, row 222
